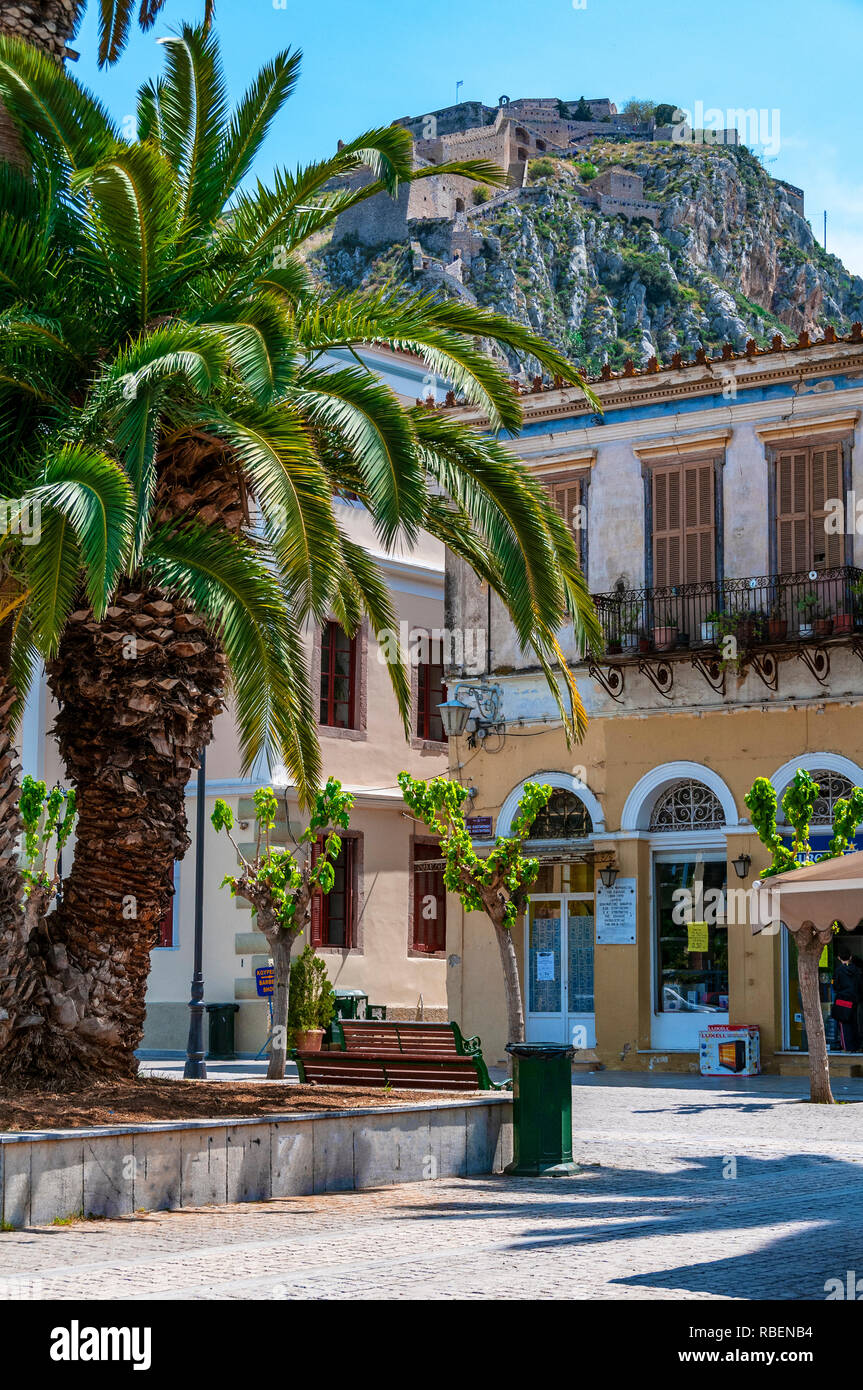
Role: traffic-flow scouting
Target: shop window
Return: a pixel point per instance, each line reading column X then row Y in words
column 431, row 692
column 692, row 937
column 565, row 817
column 334, row 913
column 687, row 805
column 428, row 930
column 338, row 678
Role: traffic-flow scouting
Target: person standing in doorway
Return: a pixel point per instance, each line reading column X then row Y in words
column 846, row 985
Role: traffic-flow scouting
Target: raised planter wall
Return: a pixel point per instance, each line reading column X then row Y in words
column 117, row 1170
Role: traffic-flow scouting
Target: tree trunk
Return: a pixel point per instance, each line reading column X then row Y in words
column 47, row 24
column 810, row 946
column 512, row 983
column 137, row 693
column 280, row 943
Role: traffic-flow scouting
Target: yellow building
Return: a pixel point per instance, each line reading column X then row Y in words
column 716, row 512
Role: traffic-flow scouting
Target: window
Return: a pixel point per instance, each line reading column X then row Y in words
column 333, row 913
column 687, row 805
column 165, row 939
column 692, row 954
column 806, row 479
column 428, row 930
column 431, row 691
column 565, row 817
column 569, row 495
column 684, row 524
column 338, row 677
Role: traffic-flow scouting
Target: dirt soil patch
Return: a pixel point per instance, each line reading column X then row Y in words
column 138, row 1102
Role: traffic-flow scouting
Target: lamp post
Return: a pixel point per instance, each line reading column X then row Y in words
column 196, row 1066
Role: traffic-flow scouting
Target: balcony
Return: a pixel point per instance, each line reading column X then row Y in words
column 730, row 624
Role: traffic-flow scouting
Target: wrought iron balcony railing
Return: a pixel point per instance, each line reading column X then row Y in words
column 770, row 609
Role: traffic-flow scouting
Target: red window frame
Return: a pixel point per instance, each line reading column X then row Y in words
column 431, row 691
column 428, row 934
column 165, row 939
column 334, row 640
column 324, row 918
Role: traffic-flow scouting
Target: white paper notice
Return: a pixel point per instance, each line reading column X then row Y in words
column 545, row 965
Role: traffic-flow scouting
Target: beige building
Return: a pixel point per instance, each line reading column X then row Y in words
column 716, row 512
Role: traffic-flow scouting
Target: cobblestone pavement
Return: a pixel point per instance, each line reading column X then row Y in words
column 689, row 1190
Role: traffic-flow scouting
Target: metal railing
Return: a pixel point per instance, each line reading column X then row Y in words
column 771, row 608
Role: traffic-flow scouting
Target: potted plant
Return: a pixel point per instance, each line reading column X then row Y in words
column 843, row 621
column 857, row 603
column 806, row 606
column 710, row 626
column 665, row 633
column 823, row 623
column 644, row 643
column 777, row 624
column 311, row 1003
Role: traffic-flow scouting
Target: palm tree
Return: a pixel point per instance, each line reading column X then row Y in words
column 200, row 349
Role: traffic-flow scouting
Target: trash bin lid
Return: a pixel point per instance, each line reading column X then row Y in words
column 543, row 1051
column 212, row 1007
column 350, row 994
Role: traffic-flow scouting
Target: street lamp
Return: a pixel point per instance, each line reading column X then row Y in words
column 196, row 1066
column 741, row 865
column 455, row 713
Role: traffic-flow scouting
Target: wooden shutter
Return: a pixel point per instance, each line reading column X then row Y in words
column 826, row 470
column 429, row 934
column 684, row 524
column 568, row 495
column 699, row 534
column 316, row 926
column 793, row 512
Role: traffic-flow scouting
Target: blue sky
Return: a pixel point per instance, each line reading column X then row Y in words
column 367, row 62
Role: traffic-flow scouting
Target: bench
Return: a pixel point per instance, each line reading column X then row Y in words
column 417, row 1056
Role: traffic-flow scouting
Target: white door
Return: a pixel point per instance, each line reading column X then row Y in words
column 559, row 969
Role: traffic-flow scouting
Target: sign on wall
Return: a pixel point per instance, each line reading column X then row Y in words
column 265, row 980
column 615, row 913
column 479, row 827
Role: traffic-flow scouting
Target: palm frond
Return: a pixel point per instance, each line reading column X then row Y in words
column 46, row 103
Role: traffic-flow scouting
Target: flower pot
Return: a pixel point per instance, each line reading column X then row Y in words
column 842, row 623
column 823, row 627
column 309, row 1039
column 612, row 649
column 805, row 630
column 709, row 632
column 644, row 645
column 664, row 638
column 776, row 629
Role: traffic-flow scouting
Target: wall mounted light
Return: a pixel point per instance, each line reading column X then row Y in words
column 608, row 874
column 741, row 865
column 455, row 713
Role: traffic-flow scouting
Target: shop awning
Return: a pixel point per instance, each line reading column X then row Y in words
column 821, row 893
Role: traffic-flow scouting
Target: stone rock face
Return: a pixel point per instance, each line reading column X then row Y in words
column 731, row 259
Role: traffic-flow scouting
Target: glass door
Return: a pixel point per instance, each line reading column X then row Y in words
column 690, row 949
column 559, row 967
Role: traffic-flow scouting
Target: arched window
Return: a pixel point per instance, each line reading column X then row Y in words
column 833, row 786
column 687, row 805
column 564, row 818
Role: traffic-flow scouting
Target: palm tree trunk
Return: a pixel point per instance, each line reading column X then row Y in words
column 47, row 24
column 138, row 693
column 809, row 951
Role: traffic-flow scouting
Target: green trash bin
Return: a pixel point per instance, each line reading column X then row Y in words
column 350, row 1003
column 221, row 1020
column 542, row 1110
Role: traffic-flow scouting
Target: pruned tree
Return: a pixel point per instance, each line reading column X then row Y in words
column 281, row 890
column 497, row 883
column 811, row 938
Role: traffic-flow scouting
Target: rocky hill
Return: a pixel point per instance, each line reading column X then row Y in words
column 731, row 258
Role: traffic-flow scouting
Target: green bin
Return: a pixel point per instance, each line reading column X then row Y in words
column 221, row 1019
column 542, row 1110
column 350, row 1003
